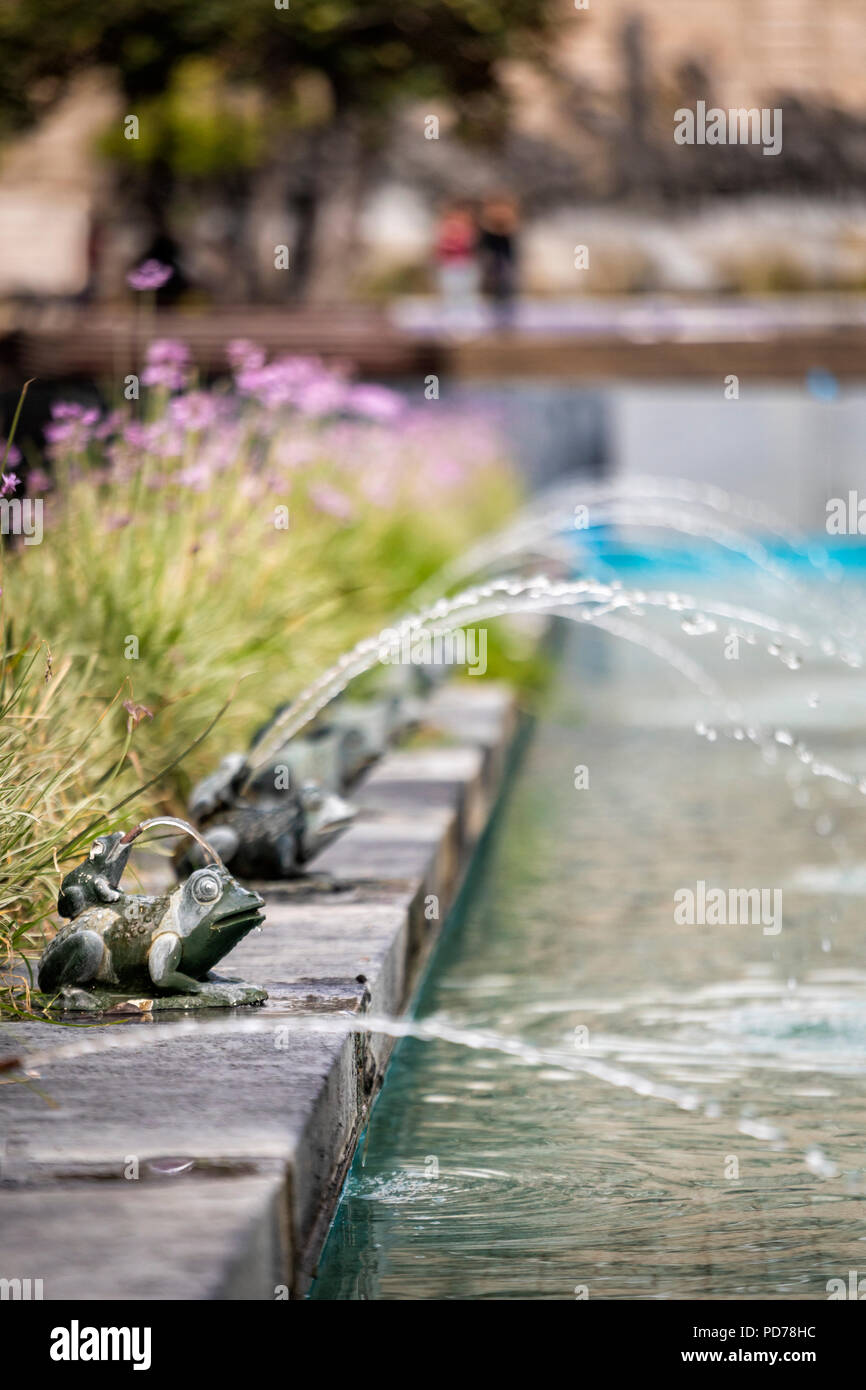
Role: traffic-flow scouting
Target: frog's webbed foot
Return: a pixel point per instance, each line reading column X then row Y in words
column 72, row 959
column 163, row 958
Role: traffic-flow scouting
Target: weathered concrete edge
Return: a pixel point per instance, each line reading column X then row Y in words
column 485, row 720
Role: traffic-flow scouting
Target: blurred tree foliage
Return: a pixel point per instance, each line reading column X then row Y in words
column 370, row 52
column 197, row 125
column 326, row 73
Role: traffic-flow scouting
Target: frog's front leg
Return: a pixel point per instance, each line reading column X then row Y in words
column 104, row 890
column 162, row 960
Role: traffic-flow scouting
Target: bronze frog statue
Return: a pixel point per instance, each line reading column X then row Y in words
column 273, row 829
column 95, row 881
column 135, row 941
column 269, row 818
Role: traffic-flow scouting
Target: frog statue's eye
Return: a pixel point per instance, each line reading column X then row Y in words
column 206, row 888
column 97, row 848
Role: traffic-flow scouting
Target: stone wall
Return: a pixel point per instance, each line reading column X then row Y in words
column 816, row 51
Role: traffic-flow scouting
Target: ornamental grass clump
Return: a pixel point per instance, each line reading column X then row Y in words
column 205, row 551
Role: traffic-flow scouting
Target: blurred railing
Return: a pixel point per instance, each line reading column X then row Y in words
column 577, row 340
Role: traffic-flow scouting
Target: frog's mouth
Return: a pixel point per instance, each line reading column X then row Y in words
column 241, row 921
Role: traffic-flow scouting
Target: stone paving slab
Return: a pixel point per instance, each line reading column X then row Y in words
column 270, row 1115
column 131, row 1230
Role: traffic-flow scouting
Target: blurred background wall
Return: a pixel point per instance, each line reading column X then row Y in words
column 245, row 144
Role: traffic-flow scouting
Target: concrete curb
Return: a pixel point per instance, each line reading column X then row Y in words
column 272, row 1125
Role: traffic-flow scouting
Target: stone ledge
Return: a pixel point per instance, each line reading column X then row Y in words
column 271, row 1127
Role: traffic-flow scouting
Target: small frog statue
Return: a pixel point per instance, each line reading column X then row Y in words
column 95, row 882
column 344, row 738
column 270, row 818
column 130, row 941
column 272, row 829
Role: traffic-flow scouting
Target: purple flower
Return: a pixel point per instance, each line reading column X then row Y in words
column 302, row 382
column 137, row 435
column 331, row 501
column 111, row 425
column 195, row 411
column 71, row 429
column 376, row 402
column 163, row 374
column 14, row 454
column 168, row 350
column 150, row 275
column 295, row 450
column 242, row 353
column 8, row 483
column 38, row 480
column 325, row 395
column 198, row 477
column 71, row 410
column 136, row 714
column 167, row 363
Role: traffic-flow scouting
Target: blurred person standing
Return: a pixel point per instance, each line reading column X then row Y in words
column 455, row 254
column 497, row 250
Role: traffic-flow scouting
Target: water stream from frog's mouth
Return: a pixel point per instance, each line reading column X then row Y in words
column 612, row 1058
column 280, row 1027
column 185, row 828
column 593, row 602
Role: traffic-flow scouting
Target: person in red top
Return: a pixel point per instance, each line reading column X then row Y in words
column 455, row 254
